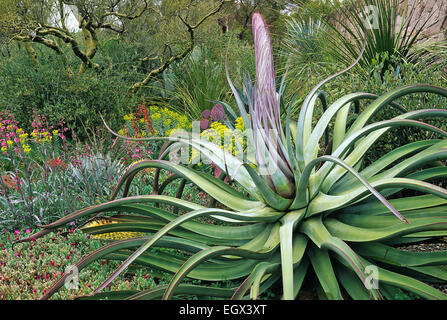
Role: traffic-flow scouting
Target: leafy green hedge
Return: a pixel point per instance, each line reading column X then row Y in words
column 59, row 91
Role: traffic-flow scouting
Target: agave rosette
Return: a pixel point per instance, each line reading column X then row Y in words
column 308, row 214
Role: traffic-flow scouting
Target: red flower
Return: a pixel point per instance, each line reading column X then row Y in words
column 57, row 164
column 52, row 263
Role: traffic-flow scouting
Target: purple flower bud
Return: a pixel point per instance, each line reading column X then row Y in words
column 204, row 124
column 218, row 112
column 206, row 113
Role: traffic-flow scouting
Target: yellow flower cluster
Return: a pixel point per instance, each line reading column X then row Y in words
column 22, row 140
column 240, row 124
column 170, row 119
column 111, row 235
column 229, row 140
column 163, row 121
column 129, row 117
column 43, row 136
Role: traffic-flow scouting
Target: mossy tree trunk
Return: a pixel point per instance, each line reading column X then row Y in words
column 31, row 52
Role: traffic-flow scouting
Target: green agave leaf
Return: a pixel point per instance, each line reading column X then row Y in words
column 183, row 288
column 381, row 220
column 306, row 113
column 299, row 274
column 322, row 266
column 288, row 223
column 304, row 181
column 168, row 242
column 346, row 182
column 244, row 232
column 221, row 158
column 408, row 283
column 340, row 125
column 111, row 206
column 327, row 175
column 180, row 220
column 255, row 288
column 323, row 202
column 390, row 255
column 365, row 143
column 389, row 97
column 316, row 231
column 211, row 270
column 205, row 255
column 213, row 187
column 343, row 103
column 352, row 284
column 356, row 234
column 422, row 175
column 435, row 272
column 374, row 207
column 258, row 272
column 273, row 199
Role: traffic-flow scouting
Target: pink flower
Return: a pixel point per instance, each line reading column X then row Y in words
column 16, row 232
column 28, row 231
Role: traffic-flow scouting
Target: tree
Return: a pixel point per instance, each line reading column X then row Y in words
column 46, row 22
column 191, row 28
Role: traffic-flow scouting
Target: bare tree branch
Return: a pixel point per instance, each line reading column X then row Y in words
column 181, row 55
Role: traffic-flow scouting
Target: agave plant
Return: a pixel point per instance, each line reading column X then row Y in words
column 291, row 212
column 388, row 34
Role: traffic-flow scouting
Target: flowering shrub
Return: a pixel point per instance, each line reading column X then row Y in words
column 34, row 186
column 12, row 138
column 147, row 122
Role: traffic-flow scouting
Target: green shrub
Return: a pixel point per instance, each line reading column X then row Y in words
column 50, row 89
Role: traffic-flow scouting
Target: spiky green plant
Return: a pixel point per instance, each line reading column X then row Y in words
column 390, row 33
column 300, row 211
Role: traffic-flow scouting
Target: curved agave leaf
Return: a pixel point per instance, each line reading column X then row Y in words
column 288, row 242
column 323, row 181
column 385, row 99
